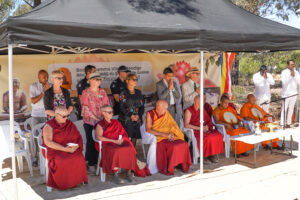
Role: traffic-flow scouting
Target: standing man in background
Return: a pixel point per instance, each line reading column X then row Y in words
column 290, row 79
column 117, row 86
column 262, row 81
column 83, row 84
column 168, row 90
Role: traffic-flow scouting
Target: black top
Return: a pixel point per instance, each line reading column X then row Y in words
column 116, row 87
column 49, row 99
column 131, row 104
column 82, row 85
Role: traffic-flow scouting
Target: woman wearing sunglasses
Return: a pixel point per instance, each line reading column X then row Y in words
column 131, row 108
column 56, row 95
column 92, row 99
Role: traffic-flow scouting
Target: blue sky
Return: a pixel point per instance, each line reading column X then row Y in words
column 293, row 20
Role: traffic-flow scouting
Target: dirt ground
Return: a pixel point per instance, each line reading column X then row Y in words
column 274, row 178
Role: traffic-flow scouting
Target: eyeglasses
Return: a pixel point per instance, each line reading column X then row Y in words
column 63, row 116
column 97, row 79
column 134, row 79
column 59, row 78
column 109, row 112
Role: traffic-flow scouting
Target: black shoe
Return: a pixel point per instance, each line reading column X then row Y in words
column 117, row 179
column 267, row 147
column 245, row 154
column 35, row 163
column 129, row 177
column 213, row 159
column 281, row 148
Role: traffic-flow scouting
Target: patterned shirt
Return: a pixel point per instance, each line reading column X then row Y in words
column 91, row 105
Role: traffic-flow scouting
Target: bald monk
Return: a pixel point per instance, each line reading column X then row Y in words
column 212, row 139
column 171, row 149
column 66, row 163
column 247, row 114
column 230, row 103
column 232, row 129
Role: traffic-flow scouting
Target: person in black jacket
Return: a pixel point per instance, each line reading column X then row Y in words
column 131, row 109
column 56, row 95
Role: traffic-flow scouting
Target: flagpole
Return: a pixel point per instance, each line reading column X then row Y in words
column 11, row 119
column 201, row 112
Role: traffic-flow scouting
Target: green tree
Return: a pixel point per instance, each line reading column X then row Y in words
column 5, row 7
column 280, row 8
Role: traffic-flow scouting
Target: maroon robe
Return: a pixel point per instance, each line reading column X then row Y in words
column 66, row 170
column 208, row 109
column 213, row 140
column 170, row 154
column 118, row 156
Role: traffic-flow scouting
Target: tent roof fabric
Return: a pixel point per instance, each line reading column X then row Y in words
column 210, row 25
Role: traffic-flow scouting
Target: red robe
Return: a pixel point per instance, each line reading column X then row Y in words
column 212, row 140
column 208, row 109
column 118, row 156
column 170, row 154
column 66, row 170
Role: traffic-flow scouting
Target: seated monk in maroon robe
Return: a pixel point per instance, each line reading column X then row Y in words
column 64, row 145
column 212, row 139
column 171, row 149
column 117, row 149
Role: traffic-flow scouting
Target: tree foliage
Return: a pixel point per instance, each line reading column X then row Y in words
column 5, row 7
column 276, row 61
column 281, row 8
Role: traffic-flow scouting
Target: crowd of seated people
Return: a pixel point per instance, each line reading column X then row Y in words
column 167, row 122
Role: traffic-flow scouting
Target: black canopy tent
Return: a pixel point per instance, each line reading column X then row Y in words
column 185, row 25
column 214, row 25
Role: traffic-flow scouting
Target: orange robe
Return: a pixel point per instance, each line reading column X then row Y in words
column 170, row 154
column 246, row 112
column 241, row 147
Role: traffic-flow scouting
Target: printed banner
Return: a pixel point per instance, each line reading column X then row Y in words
column 149, row 68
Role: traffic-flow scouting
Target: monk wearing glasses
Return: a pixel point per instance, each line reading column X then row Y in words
column 64, row 152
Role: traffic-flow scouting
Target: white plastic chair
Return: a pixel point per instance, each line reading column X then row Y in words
column 102, row 174
column 226, row 137
column 36, row 132
column 80, row 128
column 192, row 139
column 6, row 148
column 27, row 123
column 148, row 138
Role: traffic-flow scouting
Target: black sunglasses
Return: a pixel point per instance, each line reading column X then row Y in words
column 109, row 112
column 134, row 79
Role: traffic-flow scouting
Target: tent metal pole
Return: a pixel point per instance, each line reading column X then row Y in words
column 201, row 112
column 11, row 118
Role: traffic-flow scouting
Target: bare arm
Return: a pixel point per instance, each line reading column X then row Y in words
column 36, row 99
column 187, row 119
column 116, row 97
column 48, row 138
column 149, row 130
column 99, row 136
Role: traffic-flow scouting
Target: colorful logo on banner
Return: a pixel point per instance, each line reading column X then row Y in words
column 226, row 64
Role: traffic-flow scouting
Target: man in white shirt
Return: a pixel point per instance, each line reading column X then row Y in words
column 190, row 89
column 290, row 79
column 168, row 90
column 262, row 81
column 37, row 90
